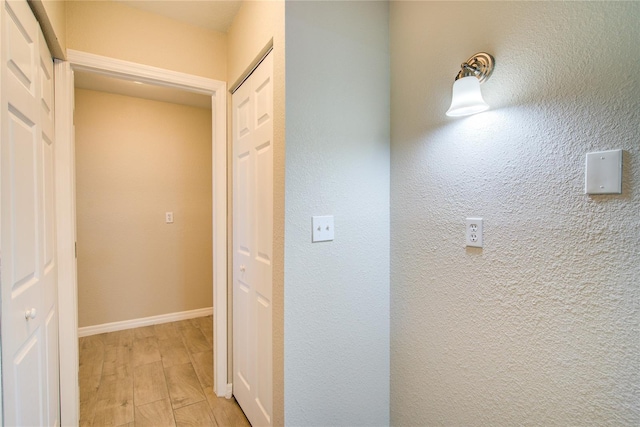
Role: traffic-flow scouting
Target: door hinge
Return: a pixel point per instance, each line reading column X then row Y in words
column 75, row 249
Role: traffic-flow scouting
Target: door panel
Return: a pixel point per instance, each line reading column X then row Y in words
column 51, row 369
column 242, row 363
column 27, row 368
column 22, row 140
column 252, row 241
column 27, row 242
column 47, row 184
column 19, row 32
column 264, row 203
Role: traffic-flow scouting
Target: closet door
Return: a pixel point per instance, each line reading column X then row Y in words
column 29, row 269
column 252, row 243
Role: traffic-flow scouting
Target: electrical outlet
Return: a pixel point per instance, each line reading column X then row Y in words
column 168, row 217
column 474, row 232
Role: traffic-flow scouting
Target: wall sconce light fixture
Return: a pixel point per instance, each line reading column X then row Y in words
column 467, row 98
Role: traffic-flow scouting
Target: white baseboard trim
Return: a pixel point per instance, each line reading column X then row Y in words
column 145, row 321
column 229, row 392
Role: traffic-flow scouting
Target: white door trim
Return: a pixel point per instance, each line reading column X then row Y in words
column 64, row 166
column 65, row 187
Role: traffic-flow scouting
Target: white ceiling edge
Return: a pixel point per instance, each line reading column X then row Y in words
column 101, row 83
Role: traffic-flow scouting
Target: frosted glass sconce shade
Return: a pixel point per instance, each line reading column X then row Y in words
column 466, row 98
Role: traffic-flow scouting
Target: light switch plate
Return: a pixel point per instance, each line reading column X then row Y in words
column 322, row 228
column 603, row 172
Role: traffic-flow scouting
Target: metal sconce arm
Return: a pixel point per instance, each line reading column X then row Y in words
column 479, row 65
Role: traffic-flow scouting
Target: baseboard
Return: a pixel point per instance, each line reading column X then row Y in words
column 229, row 392
column 145, row 321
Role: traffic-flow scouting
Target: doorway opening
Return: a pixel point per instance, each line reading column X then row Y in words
column 99, row 67
column 143, row 204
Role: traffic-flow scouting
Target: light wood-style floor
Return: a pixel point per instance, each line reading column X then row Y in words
column 160, row 375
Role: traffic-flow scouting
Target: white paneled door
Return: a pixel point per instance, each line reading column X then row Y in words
column 252, row 243
column 27, row 242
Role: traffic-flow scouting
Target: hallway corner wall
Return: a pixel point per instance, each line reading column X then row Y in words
column 541, row 326
column 337, row 163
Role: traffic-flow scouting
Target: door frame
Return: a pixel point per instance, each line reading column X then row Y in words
column 65, row 209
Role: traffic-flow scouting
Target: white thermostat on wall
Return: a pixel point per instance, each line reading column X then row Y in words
column 603, row 174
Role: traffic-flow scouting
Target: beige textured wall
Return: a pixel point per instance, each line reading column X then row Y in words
column 255, row 24
column 112, row 29
column 541, row 326
column 52, row 16
column 135, row 160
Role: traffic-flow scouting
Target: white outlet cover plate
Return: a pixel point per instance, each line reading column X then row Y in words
column 322, row 228
column 474, row 232
column 603, row 174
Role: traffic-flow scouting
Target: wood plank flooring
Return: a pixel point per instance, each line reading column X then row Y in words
column 160, row 375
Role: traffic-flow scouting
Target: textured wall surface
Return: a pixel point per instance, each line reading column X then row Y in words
column 135, row 160
column 337, row 293
column 52, row 16
column 112, row 29
column 542, row 325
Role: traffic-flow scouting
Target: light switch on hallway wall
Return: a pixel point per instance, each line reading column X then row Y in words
column 322, row 228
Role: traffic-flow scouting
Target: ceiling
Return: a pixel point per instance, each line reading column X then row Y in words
column 211, row 14
column 214, row 15
column 92, row 81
